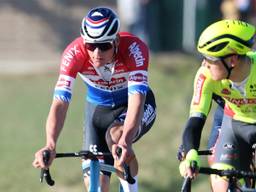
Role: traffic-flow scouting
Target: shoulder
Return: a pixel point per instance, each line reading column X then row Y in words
column 133, row 50
column 76, row 46
column 129, row 40
column 74, row 56
column 202, row 78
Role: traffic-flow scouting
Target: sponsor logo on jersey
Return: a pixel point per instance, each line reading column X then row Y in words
column 226, row 157
column 242, row 101
column 68, row 56
column 135, row 51
column 253, row 89
column 64, row 82
column 225, row 91
column 149, row 114
column 112, row 83
column 139, row 77
column 229, row 146
column 198, row 89
column 119, row 71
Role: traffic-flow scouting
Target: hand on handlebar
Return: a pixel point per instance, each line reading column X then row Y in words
column 39, row 161
column 189, row 166
column 124, row 156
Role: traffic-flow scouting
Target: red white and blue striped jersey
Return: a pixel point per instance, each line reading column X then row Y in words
column 129, row 74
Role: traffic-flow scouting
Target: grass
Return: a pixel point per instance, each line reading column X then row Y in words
column 25, row 102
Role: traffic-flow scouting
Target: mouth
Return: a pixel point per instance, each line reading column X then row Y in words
column 98, row 58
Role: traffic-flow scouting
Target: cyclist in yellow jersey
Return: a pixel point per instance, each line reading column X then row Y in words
column 228, row 70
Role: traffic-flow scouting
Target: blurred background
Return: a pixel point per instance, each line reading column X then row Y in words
column 33, row 35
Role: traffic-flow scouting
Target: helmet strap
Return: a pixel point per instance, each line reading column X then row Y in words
column 229, row 69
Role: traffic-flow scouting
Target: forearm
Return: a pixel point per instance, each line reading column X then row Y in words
column 55, row 122
column 192, row 133
column 133, row 117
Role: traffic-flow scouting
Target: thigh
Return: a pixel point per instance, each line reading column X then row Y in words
column 231, row 148
column 91, row 138
column 148, row 119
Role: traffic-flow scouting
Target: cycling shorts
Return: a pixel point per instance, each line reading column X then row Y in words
column 234, row 145
column 99, row 118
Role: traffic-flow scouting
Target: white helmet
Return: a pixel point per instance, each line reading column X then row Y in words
column 100, row 25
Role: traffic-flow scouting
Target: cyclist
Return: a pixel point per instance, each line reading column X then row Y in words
column 120, row 106
column 228, row 70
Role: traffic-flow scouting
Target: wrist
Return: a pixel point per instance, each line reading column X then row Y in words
column 51, row 145
column 192, row 155
column 125, row 141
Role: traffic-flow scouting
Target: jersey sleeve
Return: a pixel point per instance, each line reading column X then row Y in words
column 202, row 95
column 70, row 65
column 137, row 60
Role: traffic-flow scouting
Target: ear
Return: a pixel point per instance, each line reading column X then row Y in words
column 234, row 60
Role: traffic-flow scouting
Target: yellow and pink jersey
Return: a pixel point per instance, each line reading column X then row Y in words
column 239, row 104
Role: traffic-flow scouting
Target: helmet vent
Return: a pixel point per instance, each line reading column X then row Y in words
column 218, row 47
column 114, row 29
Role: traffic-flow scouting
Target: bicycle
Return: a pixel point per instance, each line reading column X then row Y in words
column 232, row 175
column 94, row 167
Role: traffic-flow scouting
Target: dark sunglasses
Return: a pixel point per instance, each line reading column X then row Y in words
column 101, row 46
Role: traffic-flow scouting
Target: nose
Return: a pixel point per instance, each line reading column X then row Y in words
column 97, row 50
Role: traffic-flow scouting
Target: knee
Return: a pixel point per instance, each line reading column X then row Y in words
column 113, row 135
column 217, row 180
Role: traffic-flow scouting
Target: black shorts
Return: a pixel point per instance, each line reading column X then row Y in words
column 99, row 118
column 234, row 146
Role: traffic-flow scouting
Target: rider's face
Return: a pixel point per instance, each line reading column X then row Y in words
column 101, row 53
column 216, row 68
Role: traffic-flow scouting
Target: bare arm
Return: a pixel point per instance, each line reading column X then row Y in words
column 133, row 118
column 130, row 127
column 54, row 126
column 55, row 122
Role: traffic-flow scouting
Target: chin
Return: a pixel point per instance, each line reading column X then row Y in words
column 98, row 64
column 217, row 78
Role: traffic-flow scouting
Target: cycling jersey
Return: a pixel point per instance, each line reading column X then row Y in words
column 128, row 72
column 240, row 105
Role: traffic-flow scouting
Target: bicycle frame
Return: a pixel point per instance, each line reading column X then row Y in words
column 95, row 167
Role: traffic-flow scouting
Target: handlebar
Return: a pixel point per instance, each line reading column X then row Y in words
column 45, row 173
column 230, row 174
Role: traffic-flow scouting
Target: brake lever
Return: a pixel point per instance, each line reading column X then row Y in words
column 45, row 173
column 127, row 172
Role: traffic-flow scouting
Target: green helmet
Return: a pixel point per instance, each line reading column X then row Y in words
column 226, row 37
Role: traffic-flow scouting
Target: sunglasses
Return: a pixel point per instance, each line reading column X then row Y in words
column 100, row 46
